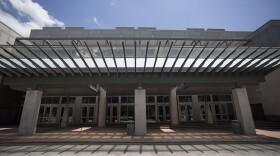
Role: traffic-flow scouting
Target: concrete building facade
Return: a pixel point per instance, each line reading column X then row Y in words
column 143, row 76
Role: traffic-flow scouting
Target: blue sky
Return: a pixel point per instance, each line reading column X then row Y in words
column 236, row 15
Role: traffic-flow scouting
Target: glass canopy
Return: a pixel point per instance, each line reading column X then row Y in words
column 90, row 56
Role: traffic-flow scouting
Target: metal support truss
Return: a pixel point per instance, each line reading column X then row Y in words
column 93, row 59
column 191, row 66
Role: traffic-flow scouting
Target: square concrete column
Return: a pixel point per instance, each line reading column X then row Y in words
column 30, row 111
column 174, row 108
column 102, row 108
column 243, row 110
column 195, row 108
column 140, row 112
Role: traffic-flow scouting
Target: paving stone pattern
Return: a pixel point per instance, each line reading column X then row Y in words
column 142, row 149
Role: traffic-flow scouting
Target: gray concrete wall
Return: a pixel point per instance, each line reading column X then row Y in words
column 138, row 33
column 7, row 34
column 270, row 91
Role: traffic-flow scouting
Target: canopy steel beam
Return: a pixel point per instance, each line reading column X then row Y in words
column 135, row 78
column 108, row 71
column 259, row 61
column 19, row 68
column 38, row 67
column 2, row 70
column 166, row 57
column 156, row 57
column 262, row 70
column 60, row 69
column 183, row 64
column 241, row 69
column 273, row 67
column 240, row 62
column 25, row 64
column 207, row 57
column 222, row 62
column 174, row 63
column 72, row 59
column 264, row 64
column 99, row 73
column 226, row 67
column 147, row 48
column 114, row 57
column 79, row 53
column 10, row 68
column 124, row 54
column 191, row 66
column 217, row 57
column 45, row 64
column 60, row 58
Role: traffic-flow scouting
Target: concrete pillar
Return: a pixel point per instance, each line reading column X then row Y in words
column 102, row 108
column 77, row 109
column 195, row 108
column 30, row 111
column 243, row 111
column 140, row 112
column 209, row 116
column 174, row 108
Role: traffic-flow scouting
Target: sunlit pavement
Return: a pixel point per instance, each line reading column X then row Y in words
column 93, row 134
column 160, row 141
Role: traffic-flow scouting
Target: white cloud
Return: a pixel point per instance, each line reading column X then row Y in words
column 96, row 21
column 37, row 17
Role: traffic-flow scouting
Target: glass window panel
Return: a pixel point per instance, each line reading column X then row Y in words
column 120, row 62
column 140, row 62
column 130, row 62
column 150, row 99
column 216, row 62
column 179, row 62
column 37, row 61
column 28, row 62
column 50, row 63
column 70, row 63
column 189, row 62
column 80, row 62
column 160, row 62
column 207, row 63
column 84, row 111
column 225, row 62
column 100, row 63
column 110, row 62
column 60, row 63
column 90, row 62
column 91, row 111
column 217, row 109
column 170, row 62
column 198, row 62
column 152, row 52
column 150, row 62
column 130, row 52
column 18, row 63
column 235, row 62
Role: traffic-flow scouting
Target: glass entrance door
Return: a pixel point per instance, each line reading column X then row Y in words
column 186, row 113
column 87, row 114
column 163, row 113
column 112, row 114
column 49, row 114
column 70, row 113
column 221, row 111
